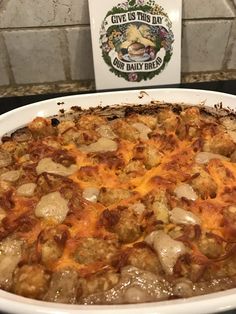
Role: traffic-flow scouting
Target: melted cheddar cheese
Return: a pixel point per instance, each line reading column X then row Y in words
column 139, row 167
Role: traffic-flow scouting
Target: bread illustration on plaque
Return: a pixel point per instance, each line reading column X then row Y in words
column 137, row 43
column 136, row 50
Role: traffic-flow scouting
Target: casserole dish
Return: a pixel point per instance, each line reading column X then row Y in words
column 17, row 118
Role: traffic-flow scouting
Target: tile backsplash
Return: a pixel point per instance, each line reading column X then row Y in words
column 45, row 41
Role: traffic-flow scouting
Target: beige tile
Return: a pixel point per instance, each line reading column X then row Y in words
column 35, row 55
column 28, row 13
column 207, row 8
column 80, row 51
column 231, row 62
column 3, row 76
column 4, row 80
column 204, row 44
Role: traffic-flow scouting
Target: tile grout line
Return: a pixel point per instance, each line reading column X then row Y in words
column 7, row 61
column 215, row 19
column 88, row 25
column 9, row 29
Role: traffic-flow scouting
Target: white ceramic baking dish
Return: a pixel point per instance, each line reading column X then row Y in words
column 212, row 303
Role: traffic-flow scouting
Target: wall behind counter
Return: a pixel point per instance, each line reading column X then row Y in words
column 48, row 41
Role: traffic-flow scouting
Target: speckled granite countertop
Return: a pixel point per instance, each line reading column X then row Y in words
column 87, row 86
column 47, row 88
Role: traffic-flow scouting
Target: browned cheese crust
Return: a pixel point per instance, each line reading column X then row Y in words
column 119, row 205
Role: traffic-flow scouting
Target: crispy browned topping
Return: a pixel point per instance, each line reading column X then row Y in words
column 119, row 205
